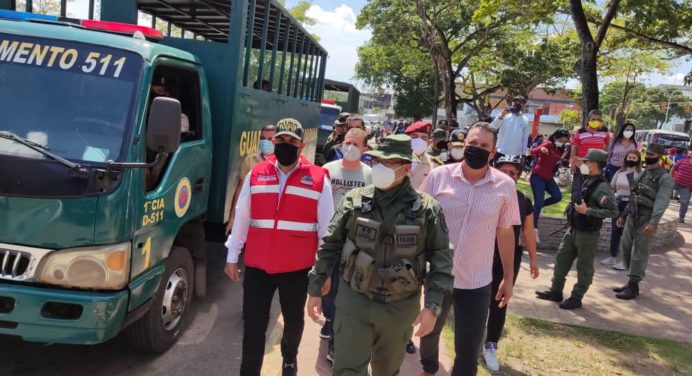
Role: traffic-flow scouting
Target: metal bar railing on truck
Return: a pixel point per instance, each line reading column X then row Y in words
column 283, row 58
column 263, row 45
column 248, row 40
column 275, row 43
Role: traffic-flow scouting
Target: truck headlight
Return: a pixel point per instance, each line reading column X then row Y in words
column 97, row 267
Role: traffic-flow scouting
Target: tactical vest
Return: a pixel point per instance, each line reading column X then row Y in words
column 647, row 188
column 386, row 263
column 583, row 222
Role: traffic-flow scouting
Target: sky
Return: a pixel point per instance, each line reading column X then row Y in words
column 338, row 35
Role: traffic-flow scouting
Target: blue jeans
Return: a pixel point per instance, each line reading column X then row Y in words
column 539, row 186
column 615, row 231
column 609, row 172
column 684, row 199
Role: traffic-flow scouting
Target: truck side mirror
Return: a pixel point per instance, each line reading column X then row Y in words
column 163, row 126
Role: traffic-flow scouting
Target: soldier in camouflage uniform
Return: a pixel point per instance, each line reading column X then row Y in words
column 594, row 202
column 381, row 237
column 652, row 194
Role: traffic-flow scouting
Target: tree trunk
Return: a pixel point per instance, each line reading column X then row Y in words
column 589, row 78
column 436, row 93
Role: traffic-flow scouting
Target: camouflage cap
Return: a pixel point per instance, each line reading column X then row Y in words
column 396, row 146
column 439, row 134
column 290, row 127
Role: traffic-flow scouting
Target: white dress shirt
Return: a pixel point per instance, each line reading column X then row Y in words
column 513, row 135
column 241, row 224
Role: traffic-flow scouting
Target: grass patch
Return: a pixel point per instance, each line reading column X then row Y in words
column 556, row 210
column 536, row 347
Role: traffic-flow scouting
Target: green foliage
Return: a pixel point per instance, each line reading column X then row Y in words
column 299, row 13
column 43, row 6
column 656, row 104
column 570, row 118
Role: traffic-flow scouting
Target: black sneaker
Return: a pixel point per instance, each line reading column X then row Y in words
column 330, row 354
column 410, row 347
column 326, row 331
column 681, row 220
column 289, row 368
column 571, row 303
column 549, row 295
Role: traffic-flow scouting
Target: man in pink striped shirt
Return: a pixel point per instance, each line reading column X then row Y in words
column 480, row 205
column 682, row 174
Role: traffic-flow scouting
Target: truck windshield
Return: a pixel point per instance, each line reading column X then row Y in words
column 75, row 99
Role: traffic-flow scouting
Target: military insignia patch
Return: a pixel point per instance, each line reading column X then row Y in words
column 366, row 232
column 604, row 200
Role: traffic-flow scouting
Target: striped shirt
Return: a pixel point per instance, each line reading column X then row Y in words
column 474, row 212
column 682, row 173
column 618, row 151
column 586, row 140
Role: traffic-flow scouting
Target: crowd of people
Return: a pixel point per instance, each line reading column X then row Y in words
column 431, row 214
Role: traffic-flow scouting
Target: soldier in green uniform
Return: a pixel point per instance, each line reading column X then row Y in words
column 381, row 237
column 652, row 194
column 594, row 202
column 438, row 146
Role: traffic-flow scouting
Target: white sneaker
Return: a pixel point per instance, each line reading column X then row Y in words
column 490, row 357
column 610, row 261
column 538, row 240
column 619, row 266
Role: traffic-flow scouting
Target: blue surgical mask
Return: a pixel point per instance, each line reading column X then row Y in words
column 266, row 147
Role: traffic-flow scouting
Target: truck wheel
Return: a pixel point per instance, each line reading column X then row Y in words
column 161, row 326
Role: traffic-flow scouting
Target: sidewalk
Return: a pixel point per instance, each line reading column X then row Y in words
column 663, row 310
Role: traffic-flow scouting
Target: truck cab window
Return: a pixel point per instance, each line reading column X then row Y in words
column 181, row 84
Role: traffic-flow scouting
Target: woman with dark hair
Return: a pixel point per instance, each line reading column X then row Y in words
column 622, row 143
column 621, row 186
column 547, row 157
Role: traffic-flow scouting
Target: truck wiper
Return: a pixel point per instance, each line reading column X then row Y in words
column 43, row 150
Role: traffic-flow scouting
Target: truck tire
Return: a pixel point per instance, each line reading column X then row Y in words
column 161, row 326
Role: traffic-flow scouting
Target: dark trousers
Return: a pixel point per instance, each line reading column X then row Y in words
column 328, row 307
column 615, row 231
column 430, row 343
column 497, row 315
column 258, row 292
column 470, row 316
column 577, row 180
column 540, row 185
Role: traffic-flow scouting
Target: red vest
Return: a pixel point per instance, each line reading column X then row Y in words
column 283, row 232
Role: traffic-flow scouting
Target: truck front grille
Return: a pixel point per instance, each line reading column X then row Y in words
column 13, row 264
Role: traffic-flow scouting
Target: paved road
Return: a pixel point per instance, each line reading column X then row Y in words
column 210, row 346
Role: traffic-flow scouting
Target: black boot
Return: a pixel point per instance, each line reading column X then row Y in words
column 289, row 367
column 571, row 303
column 630, row 292
column 549, row 295
column 622, row 288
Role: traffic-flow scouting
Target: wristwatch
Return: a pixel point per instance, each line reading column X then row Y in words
column 434, row 308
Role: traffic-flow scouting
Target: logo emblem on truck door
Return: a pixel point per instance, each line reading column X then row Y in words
column 182, row 197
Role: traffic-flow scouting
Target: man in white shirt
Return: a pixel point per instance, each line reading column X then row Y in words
column 282, row 212
column 513, row 130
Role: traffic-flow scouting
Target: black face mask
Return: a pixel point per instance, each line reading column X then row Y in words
column 476, row 157
column 652, row 160
column 442, row 145
column 631, row 163
column 286, row 154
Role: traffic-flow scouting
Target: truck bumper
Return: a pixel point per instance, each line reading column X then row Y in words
column 59, row 316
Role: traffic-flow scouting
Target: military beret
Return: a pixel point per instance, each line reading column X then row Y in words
column 419, row 126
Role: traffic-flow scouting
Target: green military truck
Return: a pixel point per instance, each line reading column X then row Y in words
column 119, row 150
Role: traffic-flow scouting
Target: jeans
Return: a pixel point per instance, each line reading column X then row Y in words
column 615, row 231
column 497, row 315
column 470, row 317
column 328, row 307
column 540, row 185
column 609, row 172
column 684, row 199
column 258, row 292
